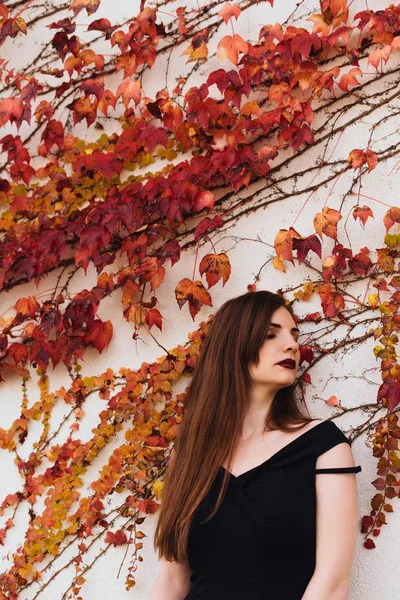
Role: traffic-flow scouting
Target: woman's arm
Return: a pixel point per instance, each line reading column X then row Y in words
column 173, row 581
column 337, row 526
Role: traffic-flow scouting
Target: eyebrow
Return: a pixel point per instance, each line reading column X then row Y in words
column 280, row 327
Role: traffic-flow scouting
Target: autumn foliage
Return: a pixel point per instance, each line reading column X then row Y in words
column 158, row 176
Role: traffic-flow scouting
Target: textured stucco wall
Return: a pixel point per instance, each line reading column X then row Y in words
column 249, row 246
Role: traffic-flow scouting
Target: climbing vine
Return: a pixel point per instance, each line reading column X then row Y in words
column 148, row 179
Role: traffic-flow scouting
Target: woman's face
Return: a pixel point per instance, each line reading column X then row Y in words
column 281, row 342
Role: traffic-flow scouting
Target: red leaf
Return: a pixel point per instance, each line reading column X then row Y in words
column 117, row 539
column 52, row 134
column 103, row 25
column 207, row 225
column 154, row 317
column 11, row 110
column 389, row 389
column 18, row 352
column 147, row 506
column 304, row 245
column 204, row 199
column 362, row 213
column 99, row 334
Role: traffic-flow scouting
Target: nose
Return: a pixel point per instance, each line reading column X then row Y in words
column 293, row 345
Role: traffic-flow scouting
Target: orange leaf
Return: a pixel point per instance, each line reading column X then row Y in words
column 356, row 158
column 320, row 25
column 230, row 46
column 194, row 293
column 372, row 159
column 130, row 90
column 379, row 54
column 199, row 53
column 333, row 401
column 27, row 306
column 349, row 79
column 276, row 92
column 283, row 243
column 45, row 109
column 147, row 506
column 215, row 266
column 108, row 99
column 391, row 217
column 90, row 5
column 229, row 10
column 326, row 222
column 362, row 213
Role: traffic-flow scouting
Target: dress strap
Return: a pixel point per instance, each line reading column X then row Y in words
column 356, row 469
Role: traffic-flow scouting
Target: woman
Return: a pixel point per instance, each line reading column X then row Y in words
column 243, row 515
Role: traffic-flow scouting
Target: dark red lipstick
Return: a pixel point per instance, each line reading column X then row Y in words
column 288, row 363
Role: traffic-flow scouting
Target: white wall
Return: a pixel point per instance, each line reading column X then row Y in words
column 353, row 375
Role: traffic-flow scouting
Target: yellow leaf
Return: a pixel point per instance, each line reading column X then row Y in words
column 373, row 299
column 157, row 488
column 278, row 264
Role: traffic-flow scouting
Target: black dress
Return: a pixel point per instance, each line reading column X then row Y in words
column 261, row 543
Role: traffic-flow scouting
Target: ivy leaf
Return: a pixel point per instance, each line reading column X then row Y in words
column 107, row 99
column 11, row 110
column 66, row 25
column 304, row 245
column 349, row 79
column 203, row 199
column 215, row 266
column 194, row 293
column 117, row 539
column 361, row 262
column 147, row 506
column 391, row 217
column 27, row 306
column 207, row 225
column 18, row 352
column 326, row 222
column 103, row 25
column 198, row 49
column 230, row 46
column 52, row 134
column 83, row 108
column 229, row 10
column 90, row 5
column 99, row 334
column 358, row 158
column 154, row 317
column 129, row 89
column 44, row 109
column 362, row 213
column 390, row 389
column 379, row 54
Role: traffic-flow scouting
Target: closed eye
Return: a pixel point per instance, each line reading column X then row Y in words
column 271, row 335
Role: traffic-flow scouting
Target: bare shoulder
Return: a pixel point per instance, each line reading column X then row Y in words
column 309, row 425
column 315, row 423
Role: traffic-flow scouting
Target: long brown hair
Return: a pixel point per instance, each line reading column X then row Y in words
column 216, row 403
